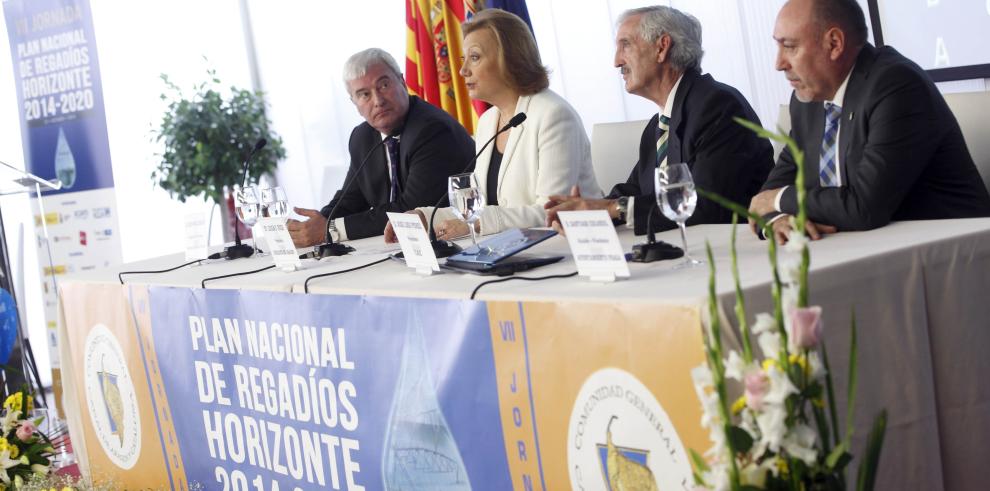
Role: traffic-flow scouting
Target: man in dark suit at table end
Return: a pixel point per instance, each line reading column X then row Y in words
column 658, row 51
column 880, row 143
column 423, row 145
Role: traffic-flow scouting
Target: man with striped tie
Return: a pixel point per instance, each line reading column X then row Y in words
column 658, row 52
column 880, row 143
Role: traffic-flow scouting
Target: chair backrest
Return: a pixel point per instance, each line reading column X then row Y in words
column 615, row 150
column 333, row 180
column 972, row 110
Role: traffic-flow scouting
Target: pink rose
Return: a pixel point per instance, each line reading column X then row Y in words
column 806, row 327
column 757, row 386
column 25, row 430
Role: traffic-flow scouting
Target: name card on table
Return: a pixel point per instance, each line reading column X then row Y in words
column 595, row 245
column 196, row 236
column 279, row 243
column 415, row 242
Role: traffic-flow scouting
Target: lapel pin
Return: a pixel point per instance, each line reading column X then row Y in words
column 851, row 116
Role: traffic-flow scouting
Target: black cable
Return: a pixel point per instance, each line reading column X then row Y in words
column 203, row 283
column 306, row 283
column 120, row 275
column 538, row 278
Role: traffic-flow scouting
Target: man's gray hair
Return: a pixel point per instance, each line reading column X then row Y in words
column 684, row 30
column 359, row 63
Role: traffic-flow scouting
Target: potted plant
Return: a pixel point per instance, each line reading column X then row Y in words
column 206, row 139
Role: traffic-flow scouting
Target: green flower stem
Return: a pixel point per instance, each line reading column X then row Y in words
column 778, row 308
column 717, row 367
column 851, row 396
column 740, row 301
column 833, row 414
column 822, row 424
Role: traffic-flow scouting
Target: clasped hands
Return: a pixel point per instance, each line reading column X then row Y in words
column 764, row 203
column 574, row 202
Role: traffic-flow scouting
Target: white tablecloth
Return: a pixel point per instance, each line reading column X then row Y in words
column 918, row 289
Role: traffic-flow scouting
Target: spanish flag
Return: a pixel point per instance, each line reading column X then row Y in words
column 433, row 56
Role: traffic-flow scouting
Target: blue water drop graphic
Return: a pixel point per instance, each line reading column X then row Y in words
column 65, row 163
column 420, row 451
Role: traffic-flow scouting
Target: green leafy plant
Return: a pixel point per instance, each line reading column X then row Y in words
column 782, row 432
column 207, row 137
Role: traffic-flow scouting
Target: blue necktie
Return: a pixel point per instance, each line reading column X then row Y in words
column 827, row 175
column 663, row 126
column 392, row 144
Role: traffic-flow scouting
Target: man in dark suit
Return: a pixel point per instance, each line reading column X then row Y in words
column 880, row 143
column 414, row 147
column 658, row 51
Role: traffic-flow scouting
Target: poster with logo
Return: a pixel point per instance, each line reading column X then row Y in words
column 111, row 415
column 263, row 390
column 64, row 135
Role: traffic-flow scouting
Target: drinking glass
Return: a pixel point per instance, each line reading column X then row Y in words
column 677, row 198
column 248, row 203
column 467, row 199
column 273, row 202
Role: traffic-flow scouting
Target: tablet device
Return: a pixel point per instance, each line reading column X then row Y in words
column 498, row 249
column 508, row 267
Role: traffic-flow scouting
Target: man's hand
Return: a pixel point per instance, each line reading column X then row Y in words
column 572, row 202
column 762, row 204
column 782, row 229
column 310, row 232
column 391, row 238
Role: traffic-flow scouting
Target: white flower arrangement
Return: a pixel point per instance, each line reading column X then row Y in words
column 782, row 432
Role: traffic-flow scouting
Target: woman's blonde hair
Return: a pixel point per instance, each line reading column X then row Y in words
column 516, row 47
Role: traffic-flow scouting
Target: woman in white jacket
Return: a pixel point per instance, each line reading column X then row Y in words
column 548, row 154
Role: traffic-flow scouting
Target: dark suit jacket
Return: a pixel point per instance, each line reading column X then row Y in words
column 432, row 146
column 724, row 157
column 902, row 155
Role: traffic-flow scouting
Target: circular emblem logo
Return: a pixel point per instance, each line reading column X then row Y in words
column 619, row 437
column 113, row 407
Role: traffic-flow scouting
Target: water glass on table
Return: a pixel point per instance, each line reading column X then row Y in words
column 248, row 203
column 467, row 199
column 677, row 198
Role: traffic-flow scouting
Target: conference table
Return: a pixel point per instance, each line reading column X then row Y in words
column 526, row 386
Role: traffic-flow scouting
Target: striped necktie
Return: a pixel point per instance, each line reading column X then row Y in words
column 663, row 127
column 827, row 175
column 392, row 143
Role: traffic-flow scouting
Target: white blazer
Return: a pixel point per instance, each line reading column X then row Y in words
column 545, row 155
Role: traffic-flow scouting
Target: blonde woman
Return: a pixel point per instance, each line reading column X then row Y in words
column 546, row 155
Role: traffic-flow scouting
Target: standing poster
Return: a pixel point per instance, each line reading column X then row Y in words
column 64, row 135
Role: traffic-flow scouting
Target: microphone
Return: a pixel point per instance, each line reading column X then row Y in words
column 446, row 248
column 239, row 250
column 329, row 247
column 257, row 148
column 654, row 250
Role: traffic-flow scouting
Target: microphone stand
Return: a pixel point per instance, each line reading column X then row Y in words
column 446, row 248
column 239, row 250
column 653, row 250
column 330, row 248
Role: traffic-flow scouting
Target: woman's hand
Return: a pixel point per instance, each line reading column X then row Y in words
column 391, row 238
column 451, row 229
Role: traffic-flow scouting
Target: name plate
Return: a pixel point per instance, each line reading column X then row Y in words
column 594, row 244
column 415, row 242
column 196, row 236
column 279, row 243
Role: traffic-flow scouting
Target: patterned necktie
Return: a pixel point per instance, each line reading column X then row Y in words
column 827, row 176
column 392, row 144
column 663, row 126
